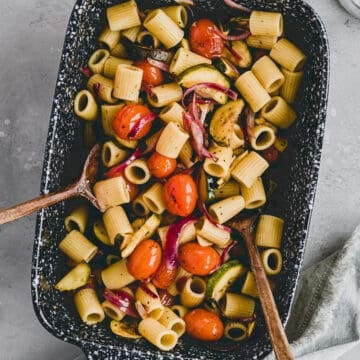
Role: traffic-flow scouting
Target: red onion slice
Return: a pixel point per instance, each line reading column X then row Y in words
column 122, row 300
column 234, row 53
column 96, row 89
column 208, row 85
column 148, row 291
column 86, row 71
column 241, row 36
column 236, row 6
column 165, row 298
column 147, row 88
column 250, row 122
column 171, row 243
column 159, row 64
column 140, row 124
column 118, row 169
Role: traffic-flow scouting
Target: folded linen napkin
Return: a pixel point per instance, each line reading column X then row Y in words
column 325, row 318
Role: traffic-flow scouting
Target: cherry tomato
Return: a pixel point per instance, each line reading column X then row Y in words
column 271, row 155
column 163, row 276
column 204, row 325
column 127, row 117
column 204, row 40
column 197, row 259
column 180, row 194
column 152, row 75
column 161, row 166
column 144, row 260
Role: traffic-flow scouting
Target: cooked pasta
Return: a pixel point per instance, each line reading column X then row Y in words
column 235, row 330
column 112, row 311
column 166, row 94
column 139, row 207
column 85, row 105
column 180, row 310
column 123, row 16
column 119, row 51
column 100, row 232
column 77, row 219
column 116, row 276
column 254, row 196
column 109, row 38
column 111, row 64
column 131, row 33
column 116, row 223
column 184, row 59
column 214, row 234
column 188, row 234
column 262, row 137
column 272, row 261
column 172, row 321
column 225, row 209
column 172, row 113
column 88, row 306
column 102, row 87
column 193, row 292
column 151, row 303
column 154, row 198
column 290, row 88
column 261, row 41
column 138, row 172
column 97, row 61
column 266, row 23
column 112, row 154
column 279, row 113
column 220, row 166
column 127, row 82
column 237, row 306
column 108, row 113
column 178, row 14
column 269, row 231
column 146, row 38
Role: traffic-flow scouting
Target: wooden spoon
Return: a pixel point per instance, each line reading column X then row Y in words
column 276, row 330
column 80, row 188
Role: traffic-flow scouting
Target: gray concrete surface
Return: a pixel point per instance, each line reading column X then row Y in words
column 31, row 37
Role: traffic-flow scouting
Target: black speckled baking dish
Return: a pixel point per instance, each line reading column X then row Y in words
column 297, row 180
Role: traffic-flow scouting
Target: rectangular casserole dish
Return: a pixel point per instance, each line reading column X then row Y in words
column 63, row 161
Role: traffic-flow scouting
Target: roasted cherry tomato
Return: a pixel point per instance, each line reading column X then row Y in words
column 204, row 325
column 144, row 260
column 197, row 259
column 164, row 276
column 152, row 75
column 204, row 40
column 180, row 194
column 161, row 166
column 127, row 117
column 271, row 155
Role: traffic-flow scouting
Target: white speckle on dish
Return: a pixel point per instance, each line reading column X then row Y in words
column 2, row 134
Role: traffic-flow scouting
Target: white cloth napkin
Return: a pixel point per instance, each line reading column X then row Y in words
column 325, row 318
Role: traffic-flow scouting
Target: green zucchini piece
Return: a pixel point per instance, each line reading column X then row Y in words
column 207, row 186
column 75, row 278
column 223, row 278
column 205, row 73
column 137, row 52
column 100, row 232
column 242, row 49
column 226, row 67
column 223, row 121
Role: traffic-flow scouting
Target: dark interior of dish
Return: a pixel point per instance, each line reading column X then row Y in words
column 295, row 175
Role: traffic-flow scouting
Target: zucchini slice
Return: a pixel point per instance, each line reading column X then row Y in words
column 75, row 278
column 223, row 278
column 205, row 73
column 242, row 49
column 223, row 121
column 226, row 67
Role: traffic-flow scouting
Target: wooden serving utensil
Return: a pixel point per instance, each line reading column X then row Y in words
column 81, row 188
column 276, row 330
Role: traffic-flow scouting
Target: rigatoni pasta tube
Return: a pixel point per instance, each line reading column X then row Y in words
column 272, row 261
column 288, row 55
column 249, row 169
column 77, row 219
column 187, row 234
column 178, row 14
column 164, row 28
column 266, row 23
column 221, row 165
column 111, row 192
column 152, row 304
column 146, row 38
column 180, row 310
column 108, row 113
column 227, row 189
column 172, row 112
column 187, row 155
column 127, row 82
column 235, row 330
column 261, row 41
column 262, row 137
column 249, row 286
column 254, row 195
column 131, row 33
column 109, row 38
column 100, row 232
column 166, row 94
column 171, row 140
column 116, row 223
column 116, row 276
column 224, row 210
column 123, row 16
column 111, row 64
column 291, row 85
column 154, row 198
column 193, row 292
column 102, row 88
column 269, row 231
column 138, row 172
column 184, row 59
column 97, row 61
column 157, row 334
column 181, row 273
column 77, row 247
column 237, row 306
column 172, row 321
column 279, row 113
column 85, row 105
column 111, row 154
column 112, row 311
column 88, row 306
column 213, row 233
column 269, row 75
column 139, row 207
column 119, row 51
column 252, row 91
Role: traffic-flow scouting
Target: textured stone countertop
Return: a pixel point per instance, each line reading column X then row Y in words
column 31, row 37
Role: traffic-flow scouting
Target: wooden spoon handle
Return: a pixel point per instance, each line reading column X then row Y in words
column 26, row 208
column 276, row 330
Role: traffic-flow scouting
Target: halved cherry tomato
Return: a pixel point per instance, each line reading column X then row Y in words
column 144, row 260
column 161, row 166
column 180, row 194
column 271, row 155
column 152, row 75
column 127, row 117
column 204, row 325
column 204, row 40
column 163, row 276
column 197, row 259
